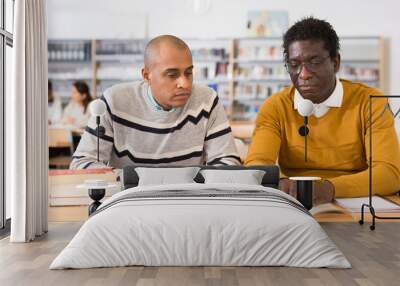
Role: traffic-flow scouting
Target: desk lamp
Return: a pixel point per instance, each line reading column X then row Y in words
column 370, row 192
column 97, row 189
column 305, row 109
column 305, row 184
column 98, row 108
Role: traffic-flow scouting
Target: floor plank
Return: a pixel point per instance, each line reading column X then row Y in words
column 375, row 256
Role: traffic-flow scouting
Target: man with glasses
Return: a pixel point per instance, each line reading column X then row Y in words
column 338, row 138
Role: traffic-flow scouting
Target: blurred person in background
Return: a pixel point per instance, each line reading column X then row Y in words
column 76, row 113
column 54, row 106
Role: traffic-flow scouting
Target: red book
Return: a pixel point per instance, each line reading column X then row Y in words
column 80, row 172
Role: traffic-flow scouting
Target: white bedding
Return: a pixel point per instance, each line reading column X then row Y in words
column 219, row 225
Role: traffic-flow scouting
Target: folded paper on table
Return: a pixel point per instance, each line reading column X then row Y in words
column 380, row 204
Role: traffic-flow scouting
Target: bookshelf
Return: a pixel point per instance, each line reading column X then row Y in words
column 259, row 70
column 244, row 71
column 68, row 61
column 212, row 65
column 117, row 61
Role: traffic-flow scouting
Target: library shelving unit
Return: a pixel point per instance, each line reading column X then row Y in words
column 117, row 61
column 68, row 61
column 212, row 65
column 259, row 69
column 258, row 72
column 122, row 60
column 244, row 71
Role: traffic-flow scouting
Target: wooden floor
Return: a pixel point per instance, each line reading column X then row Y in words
column 374, row 255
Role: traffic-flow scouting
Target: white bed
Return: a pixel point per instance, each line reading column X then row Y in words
column 201, row 224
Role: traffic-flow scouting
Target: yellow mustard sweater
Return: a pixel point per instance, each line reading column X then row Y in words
column 337, row 145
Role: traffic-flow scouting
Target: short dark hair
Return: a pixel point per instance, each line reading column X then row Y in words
column 50, row 94
column 311, row 28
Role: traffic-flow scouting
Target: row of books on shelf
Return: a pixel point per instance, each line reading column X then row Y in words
column 202, row 71
column 122, row 73
column 251, row 51
column 83, row 73
column 359, row 73
column 210, row 54
column 248, row 98
column 124, row 47
column 120, row 47
column 256, row 91
column 257, row 71
column 206, row 71
column 262, row 71
column 120, row 58
column 259, row 52
column 76, row 50
column 221, row 89
column 245, row 111
column 69, row 51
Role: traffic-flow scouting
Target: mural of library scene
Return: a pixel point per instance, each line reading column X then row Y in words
column 243, row 71
column 199, row 142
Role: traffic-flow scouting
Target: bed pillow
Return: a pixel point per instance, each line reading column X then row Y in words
column 166, row 176
column 248, row 177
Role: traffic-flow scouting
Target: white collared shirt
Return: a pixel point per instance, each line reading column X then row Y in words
column 320, row 109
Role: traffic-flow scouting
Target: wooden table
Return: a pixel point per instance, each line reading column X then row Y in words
column 355, row 217
column 59, row 178
column 59, row 138
column 66, row 181
column 242, row 130
column 61, row 145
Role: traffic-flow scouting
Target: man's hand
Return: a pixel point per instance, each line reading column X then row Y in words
column 324, row 191
column 288, row 186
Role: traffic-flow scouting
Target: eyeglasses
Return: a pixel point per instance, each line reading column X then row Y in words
column 294, row 67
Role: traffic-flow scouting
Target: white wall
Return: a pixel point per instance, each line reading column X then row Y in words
column 139, row 18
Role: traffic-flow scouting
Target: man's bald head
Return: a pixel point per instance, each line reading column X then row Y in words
column 153, row 48
column 168, row 71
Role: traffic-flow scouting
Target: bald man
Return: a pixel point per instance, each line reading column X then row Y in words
column 163, row 119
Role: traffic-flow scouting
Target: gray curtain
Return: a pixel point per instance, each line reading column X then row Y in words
column 26, row 115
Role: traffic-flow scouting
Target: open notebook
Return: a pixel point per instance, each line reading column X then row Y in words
column 380, row 204
column 353, row 205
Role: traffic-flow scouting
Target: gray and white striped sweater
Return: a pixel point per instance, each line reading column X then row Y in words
column 137, row 133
